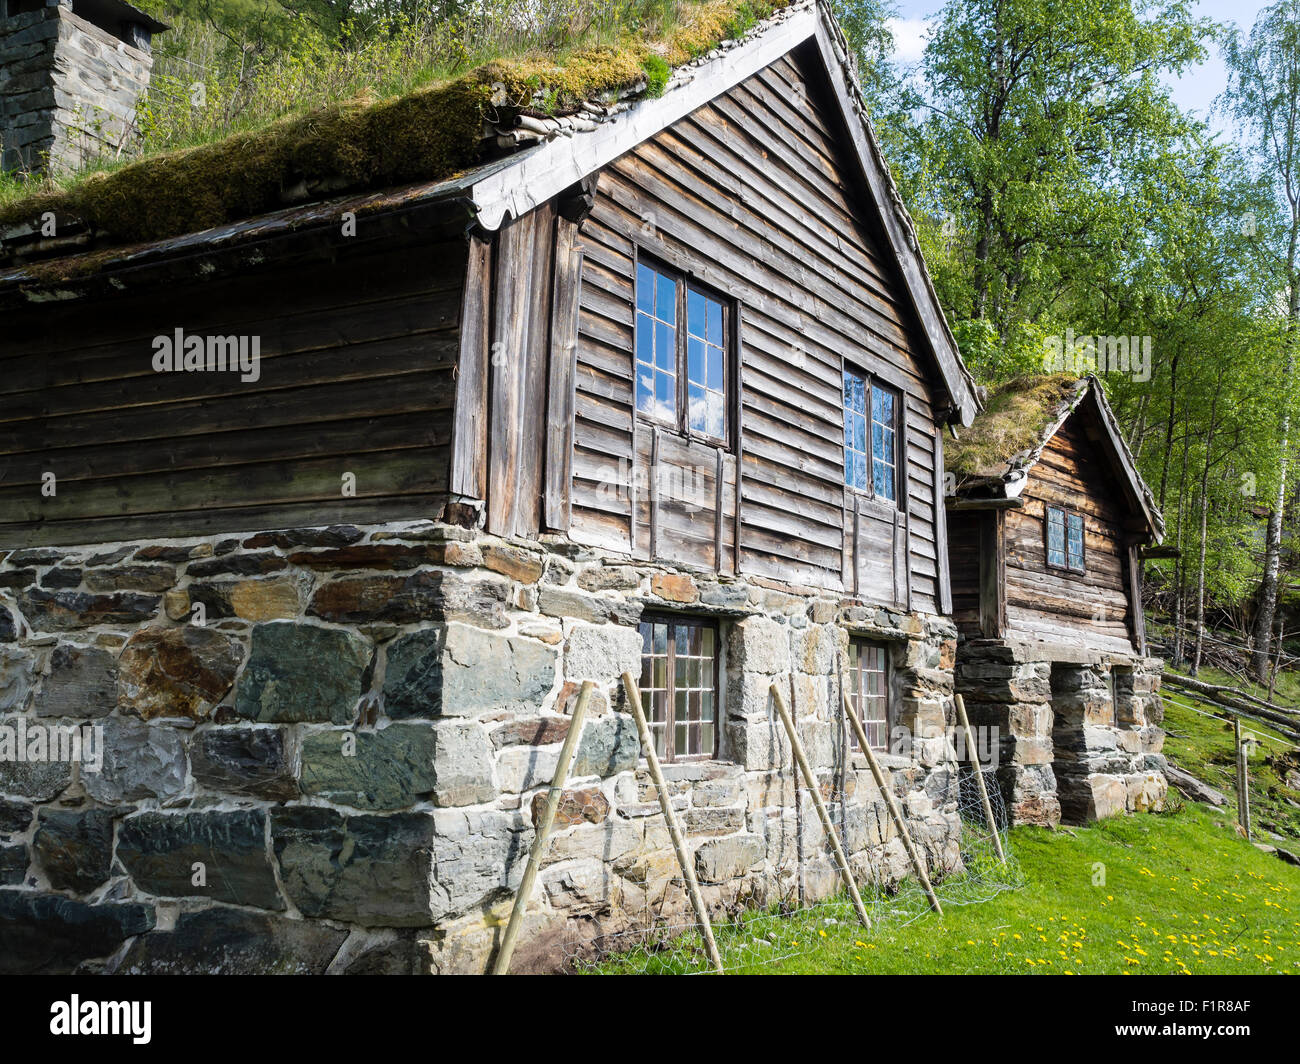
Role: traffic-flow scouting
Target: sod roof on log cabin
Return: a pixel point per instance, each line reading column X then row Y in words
column 433, row 133
column 995, row 455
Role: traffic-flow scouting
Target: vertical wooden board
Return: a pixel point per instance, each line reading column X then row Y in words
column 510, row 317
column 533, row 427
column 941, row 527
column 560, row 387
column 470, row 417
column 1135, row 600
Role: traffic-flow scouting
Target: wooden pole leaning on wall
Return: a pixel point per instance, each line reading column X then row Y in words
column 972, row 753
column 501, row 965
column 918, row 866
column 674, row 828
column 814, row 791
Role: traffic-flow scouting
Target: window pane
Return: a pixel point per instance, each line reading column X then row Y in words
column 715, row 322
column 697, row 408
column 856, row 463
column 695, row 316
column 1055, row 536
column 695, row 368
column 665, row 348
column 714, row 377
column 716, row 421
column 1074, row 545
column 666, row 299
column 645, row 289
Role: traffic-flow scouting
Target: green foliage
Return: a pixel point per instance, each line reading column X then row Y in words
column 657, row 73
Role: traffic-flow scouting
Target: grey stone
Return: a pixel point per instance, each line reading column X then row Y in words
column 16, row 677
column 608, row 746
column 246, row 762
column 463, row 671
column 760, row 644
column 13, row 865
column 40, row 779
column 133, row 577
column 718, row 860
column 479, row 857
column 54, row 611
column 422, row 596
column 602, row 652
column 302, row 672
column 15, row 817
column 221, row 941
column 49, row 934
column 140, row 760
column 75, row 847
column 386, row 769
column 8, row 625
column 462, row 764
column 163, row 852
column 82, row 683
column 370, row 870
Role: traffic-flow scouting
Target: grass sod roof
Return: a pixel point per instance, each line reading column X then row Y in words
column 432, row 133
column 1016, row 418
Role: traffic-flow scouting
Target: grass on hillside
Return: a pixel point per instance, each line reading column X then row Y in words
column 1204, row 747
column 1174, row 893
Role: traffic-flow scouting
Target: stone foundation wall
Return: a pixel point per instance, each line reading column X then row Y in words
column 323, row 750
column 1070, row 749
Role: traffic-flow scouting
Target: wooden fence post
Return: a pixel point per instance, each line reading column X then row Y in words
column 811, row 781
column 502, row 963
column 1243, row 778
column 973, row 754
column 918, row 866
column 674, row 829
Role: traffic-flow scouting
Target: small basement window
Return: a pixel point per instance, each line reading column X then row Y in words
column 682, row 340
column 1065, row 548
column 679, row 686
column 870, row 436
column 868, row 687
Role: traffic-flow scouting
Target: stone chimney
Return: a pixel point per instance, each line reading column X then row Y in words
column 71, row 74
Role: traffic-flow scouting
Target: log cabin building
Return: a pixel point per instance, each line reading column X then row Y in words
column 319, row 517
column 1047, row 521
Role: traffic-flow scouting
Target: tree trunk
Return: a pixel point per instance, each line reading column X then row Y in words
column 1205, row 513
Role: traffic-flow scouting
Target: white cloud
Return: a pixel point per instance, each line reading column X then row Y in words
column 910, row 37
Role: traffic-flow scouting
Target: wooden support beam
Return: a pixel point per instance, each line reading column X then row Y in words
column 972, row 754
column 674, row 828
column 918, row 866
column 501, row 965
column 814, row 791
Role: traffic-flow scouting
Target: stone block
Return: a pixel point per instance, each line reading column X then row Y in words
column 82, row 682
column 303, row 672
column 213, row 854
column 176, row 672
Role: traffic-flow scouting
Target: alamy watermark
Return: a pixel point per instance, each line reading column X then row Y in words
column 34, row 743
column 1080, row 355
column 179, row 353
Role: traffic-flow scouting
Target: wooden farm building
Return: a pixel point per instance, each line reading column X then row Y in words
column 327, row 485
column 1047, row 521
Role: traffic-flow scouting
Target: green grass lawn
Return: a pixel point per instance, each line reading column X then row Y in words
column 1176, row 892
column 1204, row 747
column 1149, row 894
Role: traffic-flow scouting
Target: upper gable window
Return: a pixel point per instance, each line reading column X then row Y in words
column 1065, row 539
column 870, row 436
column 681, row 354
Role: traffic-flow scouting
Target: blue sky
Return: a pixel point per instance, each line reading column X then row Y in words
column 1196, row 90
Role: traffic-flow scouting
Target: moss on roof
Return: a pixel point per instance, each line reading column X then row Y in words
column 1014, row 419
column 427, row 135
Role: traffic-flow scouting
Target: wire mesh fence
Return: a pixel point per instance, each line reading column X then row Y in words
column 797, row 932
